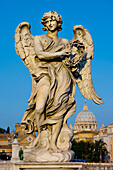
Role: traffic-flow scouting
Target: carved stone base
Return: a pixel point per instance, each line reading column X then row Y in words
column 7, row 165
column 40, row 166
column 37, row 155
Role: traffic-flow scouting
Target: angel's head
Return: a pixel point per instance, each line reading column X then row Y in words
column 52, row 16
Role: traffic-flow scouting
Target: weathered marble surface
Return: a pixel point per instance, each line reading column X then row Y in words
column 55, row 65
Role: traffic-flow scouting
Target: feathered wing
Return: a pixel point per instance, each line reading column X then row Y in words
column 84, row 80
column 24, row 44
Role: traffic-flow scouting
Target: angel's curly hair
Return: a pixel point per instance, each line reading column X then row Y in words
column 54, row 16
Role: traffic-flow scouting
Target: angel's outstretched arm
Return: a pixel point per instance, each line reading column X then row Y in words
column 42, row 55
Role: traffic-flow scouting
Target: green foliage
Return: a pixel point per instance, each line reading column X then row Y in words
column 5, row 131
column 2, row 130
column 21, row 154
column 8, row 130
column 90, row 151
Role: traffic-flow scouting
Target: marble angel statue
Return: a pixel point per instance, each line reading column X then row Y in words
column 56, row 65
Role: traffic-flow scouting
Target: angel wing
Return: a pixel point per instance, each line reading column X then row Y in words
column 24, row 44
column 84, row 80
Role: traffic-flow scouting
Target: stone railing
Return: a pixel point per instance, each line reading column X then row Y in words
column 97, row 166
column 7, row 165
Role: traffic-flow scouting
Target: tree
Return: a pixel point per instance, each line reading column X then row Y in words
column 91, row 151
column 2, row 130
column 100, row 151
column 8, row 130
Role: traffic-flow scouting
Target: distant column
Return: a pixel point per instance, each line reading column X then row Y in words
column 15, row 151
column 95, row 126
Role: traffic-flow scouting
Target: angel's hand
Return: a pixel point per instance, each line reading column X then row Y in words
column 66, row 52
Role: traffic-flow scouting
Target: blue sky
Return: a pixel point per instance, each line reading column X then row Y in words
column 15, row 80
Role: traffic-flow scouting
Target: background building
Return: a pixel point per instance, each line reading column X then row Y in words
column 85, row 125
column 23, row 139
column 106, row 135
column 86, row 128
column 6, row 140
column 5, row 148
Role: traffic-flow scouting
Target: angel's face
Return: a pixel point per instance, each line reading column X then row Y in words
column 51, row 24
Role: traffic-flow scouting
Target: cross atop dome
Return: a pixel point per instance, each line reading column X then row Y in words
column 85, row 107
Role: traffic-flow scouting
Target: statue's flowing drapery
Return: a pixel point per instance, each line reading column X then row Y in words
column 60, row 103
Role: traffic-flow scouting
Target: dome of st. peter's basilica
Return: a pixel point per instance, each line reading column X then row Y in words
column 85, row 120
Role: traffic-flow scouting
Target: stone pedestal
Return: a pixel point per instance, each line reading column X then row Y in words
column 47, row 166
column 7, row 165
column 15, row 152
